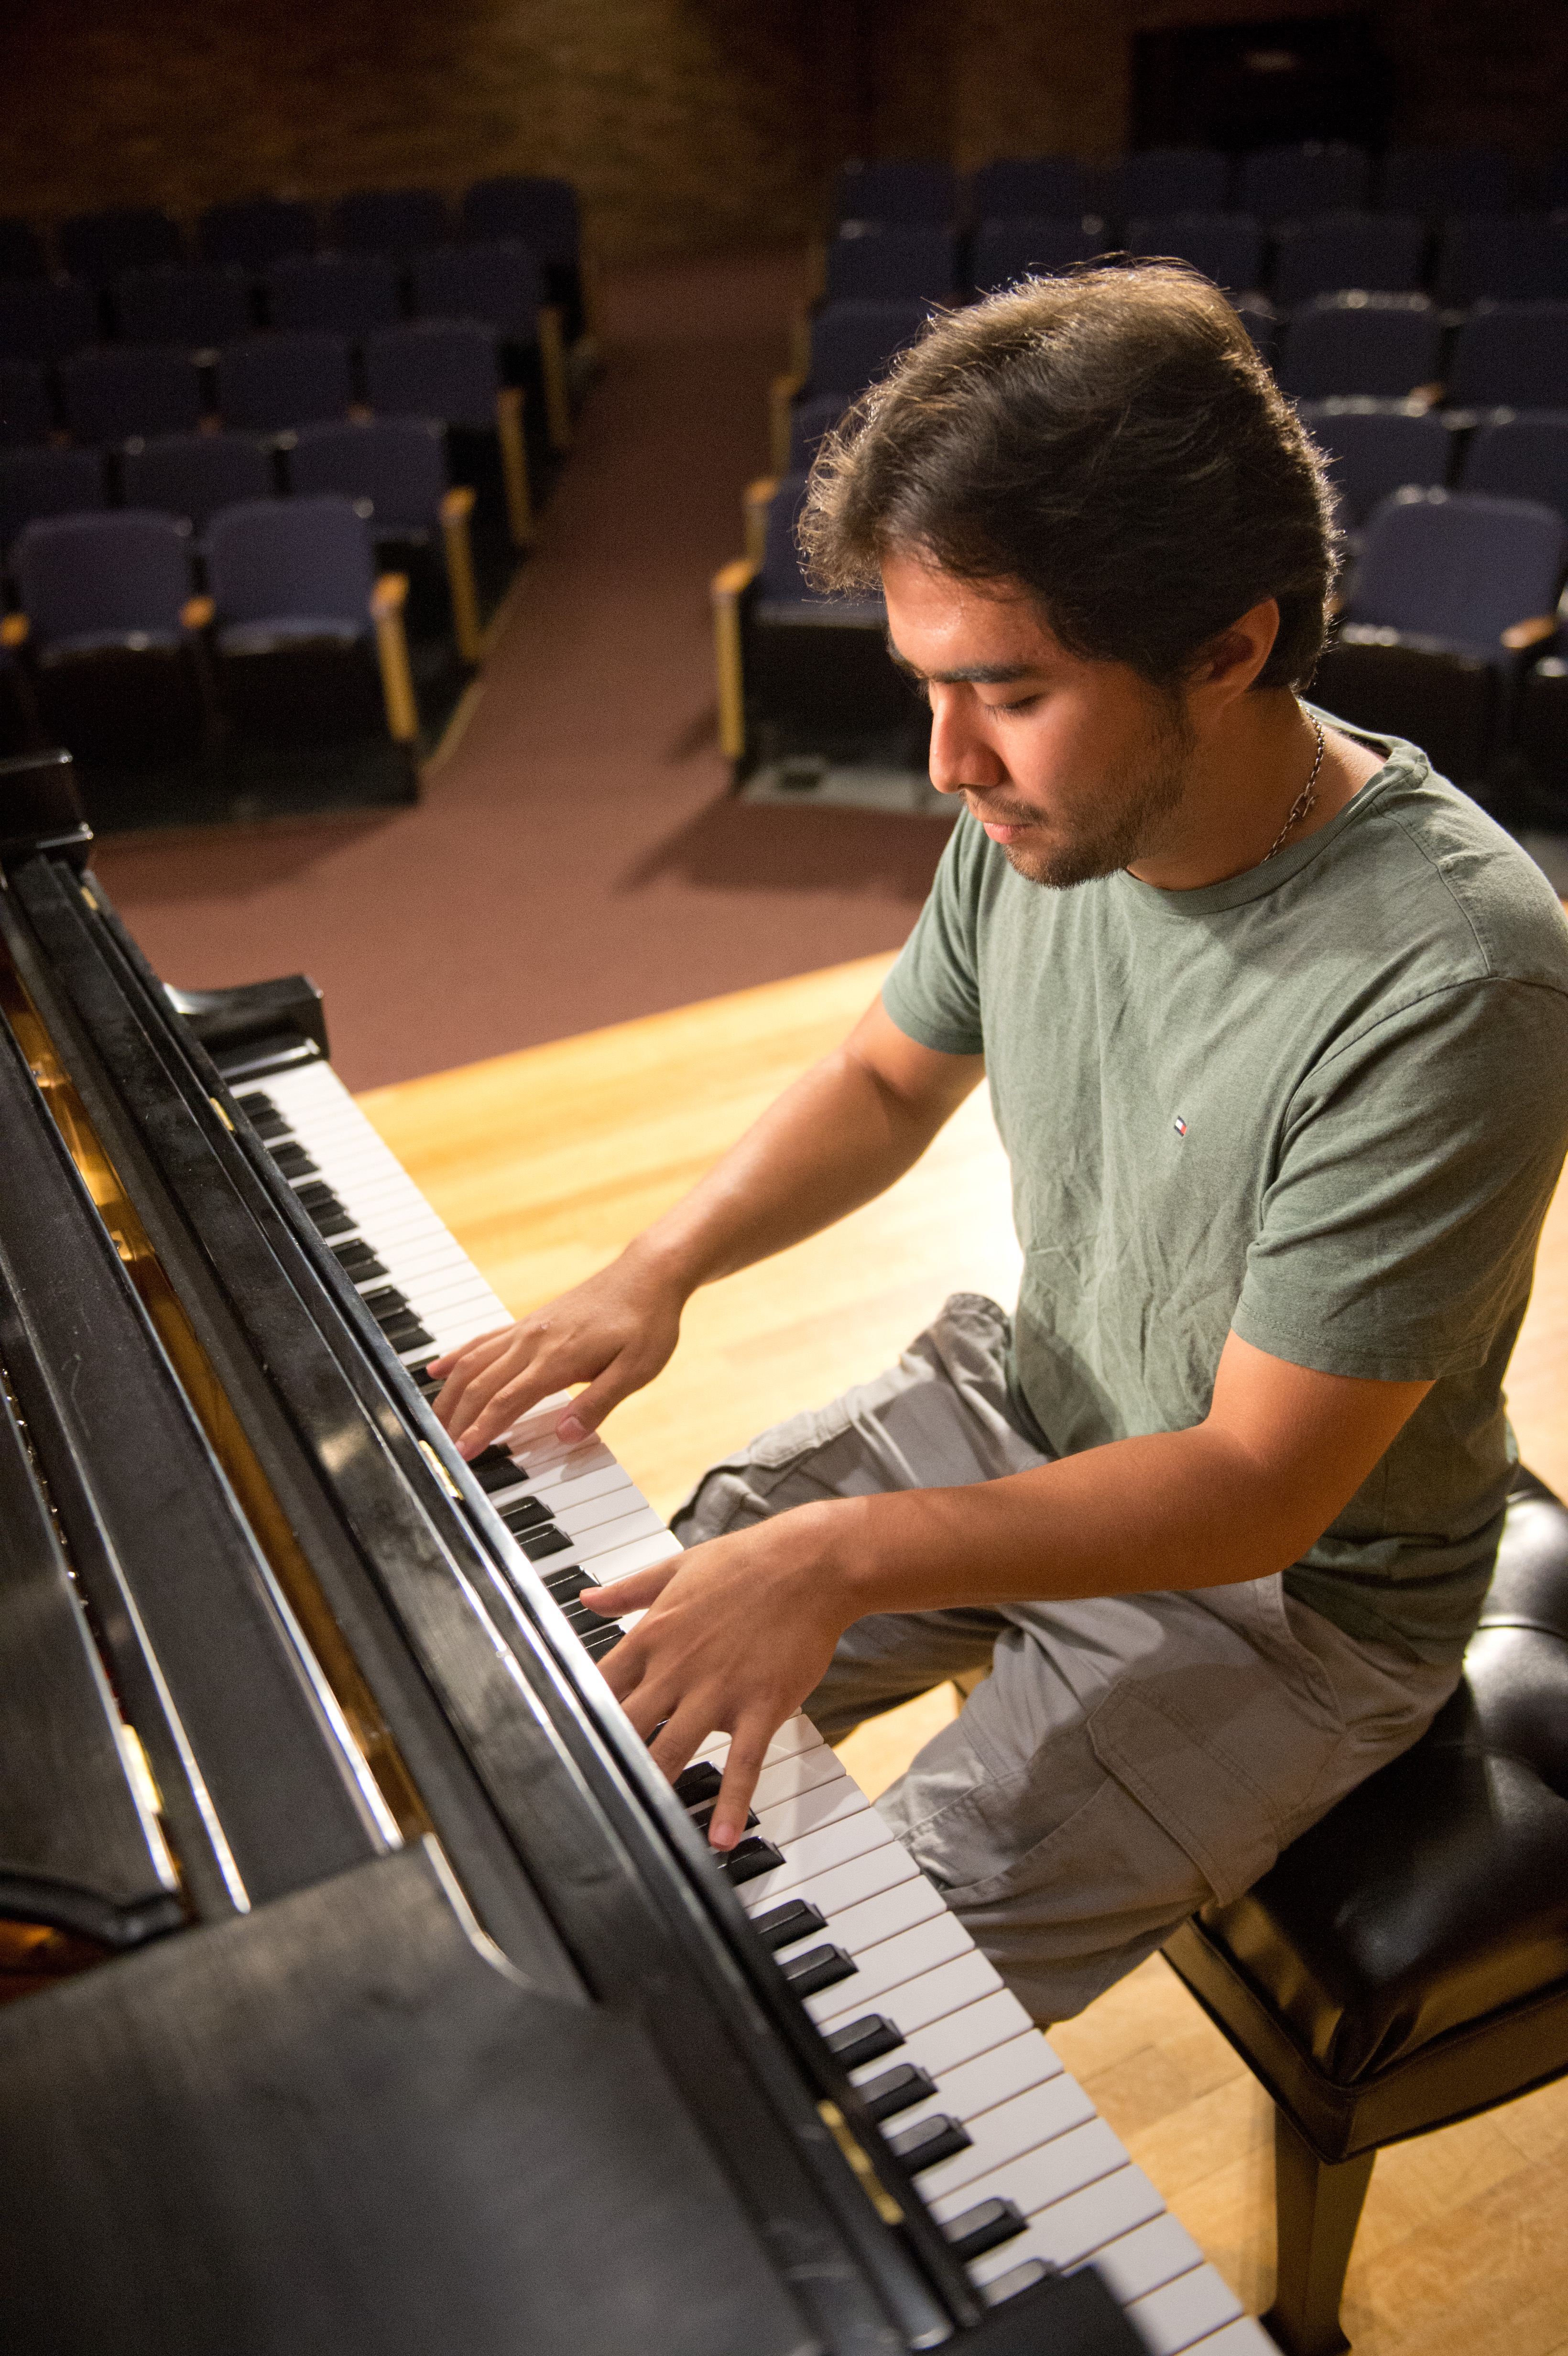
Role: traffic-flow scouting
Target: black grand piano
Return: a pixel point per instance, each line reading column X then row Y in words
column 366, row 1991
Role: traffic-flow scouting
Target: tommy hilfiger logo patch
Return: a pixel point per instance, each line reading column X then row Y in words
column 1180, row 1125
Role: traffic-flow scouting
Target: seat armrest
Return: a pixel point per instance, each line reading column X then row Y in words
column 388, row 599
column 514, row 465
column 1521, row 635
column 14, row 630
column 755, row 500
column 197, row 613
column 456, row 509
column 730, row 584
column 782, row 391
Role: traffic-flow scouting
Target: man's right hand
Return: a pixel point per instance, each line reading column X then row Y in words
column 613, row 1333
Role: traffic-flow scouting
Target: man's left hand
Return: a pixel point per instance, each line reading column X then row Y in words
column 736, row 1632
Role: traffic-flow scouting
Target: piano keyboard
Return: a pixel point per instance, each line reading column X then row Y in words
column 1011, row 2155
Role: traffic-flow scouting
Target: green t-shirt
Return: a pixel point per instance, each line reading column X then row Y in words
column 1323, row 1104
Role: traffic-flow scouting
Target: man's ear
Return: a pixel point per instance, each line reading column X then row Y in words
column 1230, row 663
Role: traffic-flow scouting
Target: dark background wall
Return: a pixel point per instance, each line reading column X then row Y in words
column 689, row 124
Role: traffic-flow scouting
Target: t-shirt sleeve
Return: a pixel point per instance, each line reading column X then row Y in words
column 1416, row 1165
column 934, row 992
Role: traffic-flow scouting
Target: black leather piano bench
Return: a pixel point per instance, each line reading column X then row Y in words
column 1405, row 1963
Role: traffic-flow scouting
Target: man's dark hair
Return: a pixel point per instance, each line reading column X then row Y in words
column 1109, row 441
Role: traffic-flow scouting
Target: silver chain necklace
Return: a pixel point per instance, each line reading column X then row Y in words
column 1304, row 799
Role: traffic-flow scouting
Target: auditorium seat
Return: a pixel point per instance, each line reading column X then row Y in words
column 391, row 221
column 270, row 384
column 123, row 390
column 1165, row 180
column 1382, row 251
column 47, row 318
column 308, row 644
column 332, row 293
column 192, row 475
column 541, row 213
column 1295, row 183
column 199, row 309
column 110, row 643
column 1511, row 355
column 1450, row 591
column 24, row 412
column 809, row 421
column 1226, row 247
column 1376, row 447
column 1506, row 258
column 500, row 285
column 887, row 261
column 1436, row 181
column 22, row 251
column 46, row 482
column 903, row 190
column 851, row 343
column 1390, row 345
column 1405, row 1964
column 100, row 247
column 1016, row 246
column 800, row 674
column 1523, row 458
column 451, row 370
column 255, row 233
column 395, row 471
column 1032, row 188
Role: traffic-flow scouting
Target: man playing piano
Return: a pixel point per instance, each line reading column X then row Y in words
column 1275, row 1025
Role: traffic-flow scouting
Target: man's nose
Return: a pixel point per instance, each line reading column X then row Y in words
column 960, row 753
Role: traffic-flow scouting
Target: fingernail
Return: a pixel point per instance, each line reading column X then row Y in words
column 467, row 1447
column 570, row 1431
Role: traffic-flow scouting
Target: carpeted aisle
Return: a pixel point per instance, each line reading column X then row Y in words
column 576, row 860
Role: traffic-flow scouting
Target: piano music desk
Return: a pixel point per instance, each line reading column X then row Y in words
column 544, row 1162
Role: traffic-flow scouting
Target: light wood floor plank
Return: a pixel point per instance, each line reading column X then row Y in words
column 546, row 1162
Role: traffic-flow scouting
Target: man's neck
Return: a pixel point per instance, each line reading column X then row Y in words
column 1246, row 779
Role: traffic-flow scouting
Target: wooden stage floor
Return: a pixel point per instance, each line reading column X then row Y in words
column 544, row 1162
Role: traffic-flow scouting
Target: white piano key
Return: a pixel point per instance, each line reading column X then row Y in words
column 970, row 2089
column 796, row 1733
column 620, row 1562
column 908, row 1957
column 876, row 1862
column 944, row 2045
column 799, row 1771
column 1008, row 2131
column 1073, row 2227
column 800, row 1813
column 1065, row 2165
column 914, row 2002
column 1190, row 2309
column 863, row 1926
column 1147, row 2258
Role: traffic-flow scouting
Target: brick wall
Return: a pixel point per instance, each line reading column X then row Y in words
column 687, row 124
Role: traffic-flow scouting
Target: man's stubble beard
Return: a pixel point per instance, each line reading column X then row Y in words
column 1135, row 830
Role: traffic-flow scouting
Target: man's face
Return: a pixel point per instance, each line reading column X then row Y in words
column 1076, row 768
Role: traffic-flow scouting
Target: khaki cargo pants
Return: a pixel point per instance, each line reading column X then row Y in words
column 1128, row 1757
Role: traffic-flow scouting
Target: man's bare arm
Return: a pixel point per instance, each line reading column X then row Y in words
column 738, row 1632
column 840, row 1135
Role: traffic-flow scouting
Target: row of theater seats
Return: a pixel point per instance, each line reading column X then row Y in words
column 134, row 642
column 256, row 232
column 1274, row 184
column 1468, row 258
column 1448, row 634
column 1387, row 347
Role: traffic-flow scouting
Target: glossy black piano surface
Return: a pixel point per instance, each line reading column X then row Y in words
column 367, row 1991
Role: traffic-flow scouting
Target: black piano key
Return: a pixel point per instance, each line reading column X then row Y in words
column 324, row 1209
column 568, row 1585
column 819, row 1967
column 537, row 1544
column 609, row 1636
column 701, row 1781
column 702, row 1817
column 357, row 1261
column 587, row 1624
column 782, row 1925
column 386, row 1302
column 935, row 2139
column 1024, row 2277
column 749, row 1858
column 897, row 2090
column 293, row 1161
column 527, row 1514
column 495, row 1470
column 406, row 1333
column 865, row 2039
column 264, row 1115
column 985, row 2227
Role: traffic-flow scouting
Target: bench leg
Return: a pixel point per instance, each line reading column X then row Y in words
column 1317, row 2206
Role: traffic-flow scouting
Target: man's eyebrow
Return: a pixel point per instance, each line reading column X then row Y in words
column 973, row 675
